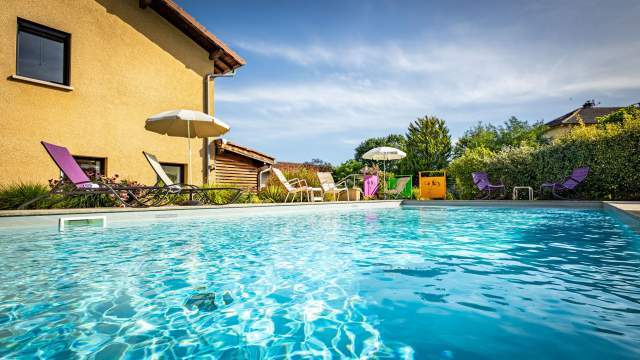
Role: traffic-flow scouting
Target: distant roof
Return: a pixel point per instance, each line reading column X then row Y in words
column 223, row 144
column 225, row 59
column 587, row 114
column 295, row 165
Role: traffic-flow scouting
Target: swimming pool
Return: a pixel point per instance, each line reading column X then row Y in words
column 425, row 283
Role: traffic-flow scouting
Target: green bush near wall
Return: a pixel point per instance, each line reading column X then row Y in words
column 14, row 195
column 611, row 149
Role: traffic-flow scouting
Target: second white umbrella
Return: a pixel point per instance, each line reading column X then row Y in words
column 384, row 153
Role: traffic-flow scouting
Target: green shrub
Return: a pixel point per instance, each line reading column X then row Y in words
column 347, row 168
column 460, row 169
column 415, row 193
column 272, row 194
column 621, row 116
column 14, row 195
column 307, row 174
column 220, row 196
column 610, row 149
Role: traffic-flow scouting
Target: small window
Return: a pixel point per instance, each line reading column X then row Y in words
column 42, row 53
column 92, row 166
column 174, row 171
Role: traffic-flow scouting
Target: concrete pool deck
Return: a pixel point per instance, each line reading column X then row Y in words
column 51, row 217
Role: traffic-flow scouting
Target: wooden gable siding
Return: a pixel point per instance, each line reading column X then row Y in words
column 237, row 170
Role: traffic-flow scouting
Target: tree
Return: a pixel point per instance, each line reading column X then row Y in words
column 512, row 132
column 347, row 168
column 479, row 136
column 515, row 132
column 428, row 145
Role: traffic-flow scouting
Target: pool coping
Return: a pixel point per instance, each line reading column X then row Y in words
column 14, row 219
column 630, row 210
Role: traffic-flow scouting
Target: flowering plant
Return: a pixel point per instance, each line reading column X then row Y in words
column 371, row 170
column 103, row 199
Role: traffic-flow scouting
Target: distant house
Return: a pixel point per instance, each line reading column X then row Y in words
column 237, row 165
column 586, row 114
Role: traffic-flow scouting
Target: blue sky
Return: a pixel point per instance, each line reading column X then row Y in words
column 323, row 75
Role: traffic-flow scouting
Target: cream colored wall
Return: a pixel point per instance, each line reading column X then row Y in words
column 558, row 131
column 126, row 64
column 555, row 132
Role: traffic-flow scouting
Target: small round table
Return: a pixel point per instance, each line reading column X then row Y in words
column 516, row 188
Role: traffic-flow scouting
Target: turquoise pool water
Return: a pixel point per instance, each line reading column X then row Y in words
column 437, row 283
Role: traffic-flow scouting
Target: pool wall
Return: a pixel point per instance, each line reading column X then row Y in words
column 628, row 212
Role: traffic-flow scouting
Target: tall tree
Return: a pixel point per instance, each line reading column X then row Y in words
column 428, row 145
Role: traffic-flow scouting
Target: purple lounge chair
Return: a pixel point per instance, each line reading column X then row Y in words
column 481, row 180
column 82, row 185
column 569, row 184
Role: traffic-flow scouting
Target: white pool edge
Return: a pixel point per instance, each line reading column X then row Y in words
column 52, row 218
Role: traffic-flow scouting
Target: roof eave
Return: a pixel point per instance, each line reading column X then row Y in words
column 225, row 59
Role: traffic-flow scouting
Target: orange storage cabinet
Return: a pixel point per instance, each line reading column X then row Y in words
column 433, row 185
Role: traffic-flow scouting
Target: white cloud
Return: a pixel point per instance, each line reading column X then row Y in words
column 366, row 88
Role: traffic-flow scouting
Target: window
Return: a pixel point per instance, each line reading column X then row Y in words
column 91, row 165
column 174, row 171
column 42, row 53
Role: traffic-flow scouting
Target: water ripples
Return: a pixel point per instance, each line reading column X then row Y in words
column 441, row 283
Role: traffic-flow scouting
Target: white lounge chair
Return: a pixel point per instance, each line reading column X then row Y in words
column 293, row 186
column 199, row 192
column 330, row 187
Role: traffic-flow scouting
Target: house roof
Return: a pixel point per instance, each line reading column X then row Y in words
column 587, row 114
column 225, row 145
column 225, row 59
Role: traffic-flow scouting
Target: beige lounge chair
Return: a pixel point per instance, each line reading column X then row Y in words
column 293, row 186
column 400, row 184
column 330, row 187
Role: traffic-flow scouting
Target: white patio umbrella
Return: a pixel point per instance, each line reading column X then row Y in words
column 186, row 123
column 384, row 153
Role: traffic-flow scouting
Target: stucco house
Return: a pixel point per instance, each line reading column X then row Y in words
column 588, row 114
column 86, row 74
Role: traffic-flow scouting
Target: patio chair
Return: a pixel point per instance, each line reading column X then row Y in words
column 330, row 187
column 400, row 185
column 200, row 193
column 293, row 186
column 83, row 186
column 481, row 180
column 568, row 185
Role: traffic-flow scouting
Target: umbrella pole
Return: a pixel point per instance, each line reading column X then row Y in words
column 189, row 142
column 384, row 178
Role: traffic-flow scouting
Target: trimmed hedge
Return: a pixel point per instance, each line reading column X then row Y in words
column 611, row 149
